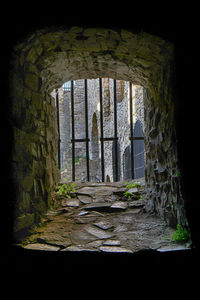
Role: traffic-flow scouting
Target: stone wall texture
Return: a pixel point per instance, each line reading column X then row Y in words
column 50, row 57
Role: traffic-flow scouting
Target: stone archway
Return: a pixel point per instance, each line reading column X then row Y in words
column 50, row 57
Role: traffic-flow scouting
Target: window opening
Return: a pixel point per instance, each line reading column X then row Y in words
column 100, row 142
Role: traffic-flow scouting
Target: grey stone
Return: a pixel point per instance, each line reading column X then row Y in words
column 86, row 191
column 83, row 213
column 103, row 225
column 120, row 192
column 73, row 203
column 95, row 244
column 136, row 204
column 172, row 248
column 119, row 205
column 99, row 206
column 101, row 234
column 39, row 246
column 133, row 190
column 115, row 249
column 82, row 236
column 111, row 243
column 79, row 248
column 121, row 228
column 85, row 199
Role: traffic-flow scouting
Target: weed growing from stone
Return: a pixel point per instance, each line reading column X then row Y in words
column 65, row 190
column 180, row 235
column 128, row 195
column 130, row 185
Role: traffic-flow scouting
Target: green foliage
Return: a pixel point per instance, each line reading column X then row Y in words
column 128, row 195
column 76, row 159
column 130, row 185
column 65, row 190
column 181, row 234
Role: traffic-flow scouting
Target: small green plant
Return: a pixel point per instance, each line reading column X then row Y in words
column 76, row 160
column 180, row 235
column 130, row 185
column 128, row 195
column 65, row 190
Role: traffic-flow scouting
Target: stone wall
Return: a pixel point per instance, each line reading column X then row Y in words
column 162, row 169
column 35, row 148
column 49, row 57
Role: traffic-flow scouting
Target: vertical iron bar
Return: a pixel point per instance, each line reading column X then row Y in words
column 115, row 129
column 86, row 132
column 73, row 136
column 102, row 136
column 131, row 130
column 58, row 123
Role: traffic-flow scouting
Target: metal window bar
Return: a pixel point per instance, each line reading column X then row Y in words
column 131, row 130
column 73, row 136
column 86, row 132
column 58, row 124
column 102, row 135
column 132, row 138
column 86, row 139
column 115, row 130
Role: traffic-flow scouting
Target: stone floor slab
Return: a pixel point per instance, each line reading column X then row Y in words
column 98, row 206
column 79, row 236
column 112, row 243
column 115, row 249
column 39, row 246
column 103, row 224
column 110, row 225
column 136, row 203
column 99, row 233
column 79, row 249
column 85, row 199
column 73, row 202
column 95, row 244
column 119, row 205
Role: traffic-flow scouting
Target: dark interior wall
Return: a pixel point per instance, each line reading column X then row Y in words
column 177, row 25
column 34, row 144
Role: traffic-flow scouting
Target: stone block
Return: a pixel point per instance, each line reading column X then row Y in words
column 32, row 81
column 32, row 56
column 27, row 182
column 24, row 222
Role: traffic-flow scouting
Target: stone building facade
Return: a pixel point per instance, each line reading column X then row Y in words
column 94, row 129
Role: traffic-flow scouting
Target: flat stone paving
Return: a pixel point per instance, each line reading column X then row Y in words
column 101, row 219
